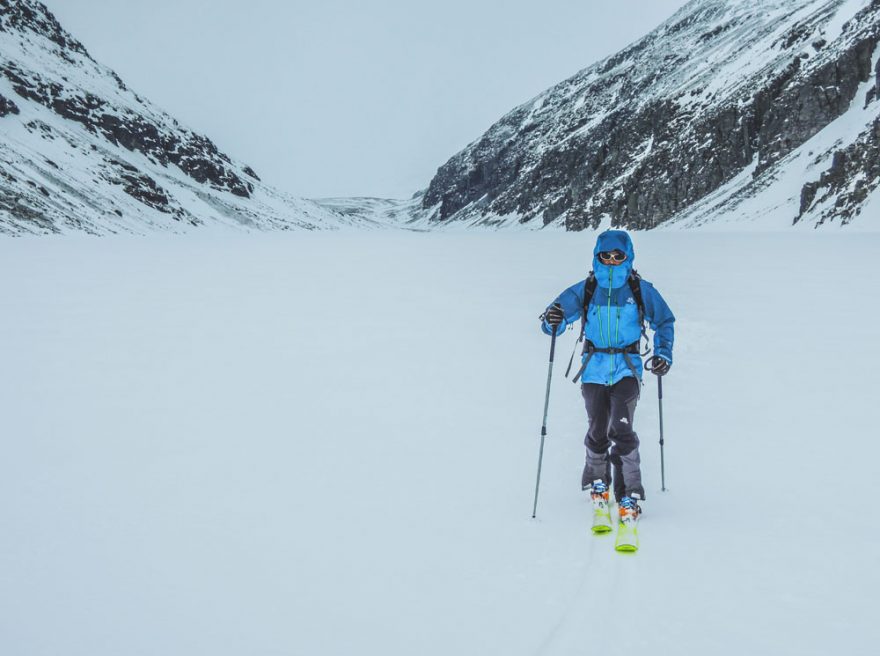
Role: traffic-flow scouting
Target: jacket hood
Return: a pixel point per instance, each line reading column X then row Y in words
column 613, row 276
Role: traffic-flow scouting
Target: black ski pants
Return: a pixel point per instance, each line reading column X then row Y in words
column 611, row 441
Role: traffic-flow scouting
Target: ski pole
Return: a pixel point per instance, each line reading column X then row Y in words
column 660, row 401
column 544, row 424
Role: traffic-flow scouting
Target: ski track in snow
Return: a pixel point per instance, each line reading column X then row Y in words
column 326, row 443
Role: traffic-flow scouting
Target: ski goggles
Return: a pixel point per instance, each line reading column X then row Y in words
column 612, row 257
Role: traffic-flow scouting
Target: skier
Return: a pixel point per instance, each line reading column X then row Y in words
column 611, row 305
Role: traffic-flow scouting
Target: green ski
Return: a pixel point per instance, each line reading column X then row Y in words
column 628, row 526
column 602, row 520
column 627, row 537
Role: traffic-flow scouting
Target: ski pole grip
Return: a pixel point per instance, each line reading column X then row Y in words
column 553, row 343
column 659, row 387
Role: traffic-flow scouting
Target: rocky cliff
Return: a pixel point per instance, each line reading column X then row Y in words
column 714, row 108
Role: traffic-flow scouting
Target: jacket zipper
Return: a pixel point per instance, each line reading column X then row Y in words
column 610, row 345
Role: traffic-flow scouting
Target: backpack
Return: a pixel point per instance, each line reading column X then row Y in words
column 634, row 281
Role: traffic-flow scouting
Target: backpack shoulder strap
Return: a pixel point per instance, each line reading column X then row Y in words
column 635, row 285
column 589, row 290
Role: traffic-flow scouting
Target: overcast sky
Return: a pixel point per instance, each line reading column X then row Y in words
column 345, row 98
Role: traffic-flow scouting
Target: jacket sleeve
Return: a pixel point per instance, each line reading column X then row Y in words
column 661, row 320
column 572, row 302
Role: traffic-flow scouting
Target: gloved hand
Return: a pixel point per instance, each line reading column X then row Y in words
column 658, row 366
column 554, row 315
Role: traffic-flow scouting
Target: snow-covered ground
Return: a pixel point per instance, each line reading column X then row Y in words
column 326, row 444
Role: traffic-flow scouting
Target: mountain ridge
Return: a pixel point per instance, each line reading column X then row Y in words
column 83, row 152
column 641, row 137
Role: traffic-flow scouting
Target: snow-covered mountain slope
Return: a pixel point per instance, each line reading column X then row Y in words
column 377, row 211
column 730, row 107
column 80, row 151
column 195, row 463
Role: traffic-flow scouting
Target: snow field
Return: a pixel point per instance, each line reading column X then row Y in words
column 326, row 444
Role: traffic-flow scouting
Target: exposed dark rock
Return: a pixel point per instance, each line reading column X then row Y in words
column 796, row 35
column 711, row 34
column 45, row 130
column 142, row 187
column 194, row 154
column 7, row 107
column 23, row 207
column 877, row 75
column 854, row 173
column 20, row 16
column 145, row 189
column 813, row 101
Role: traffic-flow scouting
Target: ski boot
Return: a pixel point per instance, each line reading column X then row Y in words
column 627, row 528
column 601, row 511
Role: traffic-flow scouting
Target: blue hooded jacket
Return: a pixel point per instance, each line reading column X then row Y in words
column 613, row 315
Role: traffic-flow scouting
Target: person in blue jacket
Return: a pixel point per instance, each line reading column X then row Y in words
column 611, row 371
